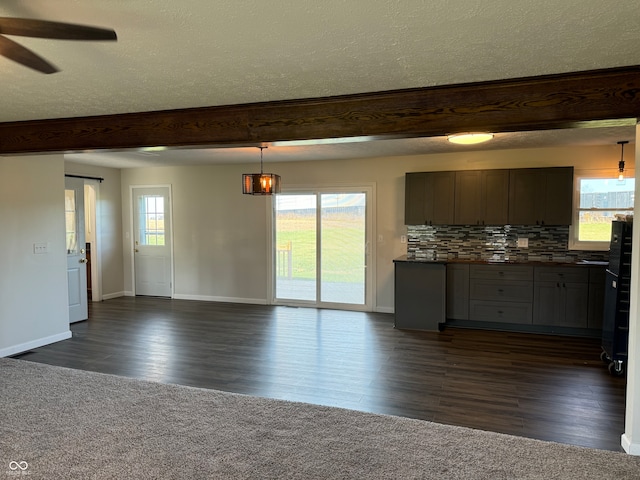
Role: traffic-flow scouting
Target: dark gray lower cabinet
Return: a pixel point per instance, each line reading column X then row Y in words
column 501, row 293
column 419, row 295
column 542, row 298
column 561, row 296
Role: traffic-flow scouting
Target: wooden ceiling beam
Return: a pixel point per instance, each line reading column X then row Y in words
column 533, row 103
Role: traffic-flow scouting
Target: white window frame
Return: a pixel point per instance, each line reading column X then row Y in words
column 574, row 243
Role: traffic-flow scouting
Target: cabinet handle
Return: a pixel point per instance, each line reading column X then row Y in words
column 558, row 284
column 500, row 290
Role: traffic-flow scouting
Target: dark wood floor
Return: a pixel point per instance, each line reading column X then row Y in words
column 545, row 387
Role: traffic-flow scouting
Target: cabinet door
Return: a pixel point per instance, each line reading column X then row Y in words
column 561, row 304
column 574, row 303
column 439, row 198
column 414, row 192
column 429, row 198
column 546, row 303
column 482, row 197
column 540, row 196
column 558, row 196
column 495, row 197
column 468, row 203
column 419, row 295
column 457, row 291
column 526, row 194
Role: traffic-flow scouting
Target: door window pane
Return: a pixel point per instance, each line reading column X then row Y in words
column 151, row 221
column 71, row 221
column 295, row 219
column 343, row 243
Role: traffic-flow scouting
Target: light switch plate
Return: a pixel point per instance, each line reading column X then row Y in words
column 40, row 248
column 523, row 242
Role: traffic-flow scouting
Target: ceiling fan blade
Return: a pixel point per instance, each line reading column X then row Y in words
column 16, row 52
column 56, row 30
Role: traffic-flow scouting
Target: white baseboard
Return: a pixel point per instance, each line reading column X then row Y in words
column 40, row 342
column 630, row 448
column 129, row 293
column 109, row 296
column 384, row 310
column 206, row 298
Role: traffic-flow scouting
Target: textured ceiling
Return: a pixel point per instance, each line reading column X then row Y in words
column 197, row 53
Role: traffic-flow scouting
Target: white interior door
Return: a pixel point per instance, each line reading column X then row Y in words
column 76, row 253
column 152, row 251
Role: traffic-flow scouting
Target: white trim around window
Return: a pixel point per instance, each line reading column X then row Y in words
column 574, row 241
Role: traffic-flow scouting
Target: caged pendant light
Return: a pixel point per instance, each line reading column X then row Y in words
column 260, row 183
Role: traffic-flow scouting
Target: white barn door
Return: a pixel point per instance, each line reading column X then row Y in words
column 76, row 253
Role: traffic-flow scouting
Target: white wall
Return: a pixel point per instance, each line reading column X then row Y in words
column 631, row 436
column 220, row 235
column 33, row 288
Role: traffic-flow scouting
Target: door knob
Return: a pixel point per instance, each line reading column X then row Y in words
column 83, row 260
column 135, row 250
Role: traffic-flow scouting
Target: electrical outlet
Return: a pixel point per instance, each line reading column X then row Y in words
column 523, row 242
column 403, row 239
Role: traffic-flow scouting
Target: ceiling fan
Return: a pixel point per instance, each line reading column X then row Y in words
column 43, row 29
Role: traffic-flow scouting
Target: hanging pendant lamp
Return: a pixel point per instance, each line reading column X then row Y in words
column 621, row 162
column 260, row 183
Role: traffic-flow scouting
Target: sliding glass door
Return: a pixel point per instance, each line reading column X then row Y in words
column 321, row 249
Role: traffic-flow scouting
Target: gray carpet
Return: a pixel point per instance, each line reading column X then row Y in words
column 58, row 423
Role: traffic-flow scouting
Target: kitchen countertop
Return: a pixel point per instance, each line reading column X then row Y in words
column 583, row 263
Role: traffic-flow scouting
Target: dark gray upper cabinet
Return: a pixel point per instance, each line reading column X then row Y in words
column 527, row 196
column 429, row 198
column 482, row 197
column 541, row 196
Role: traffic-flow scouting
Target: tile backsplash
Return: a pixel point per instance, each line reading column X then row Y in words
column 496, row 243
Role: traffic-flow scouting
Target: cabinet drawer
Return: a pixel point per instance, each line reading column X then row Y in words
column 503, row 312
column 501, row 272
column 514, row 291
column 562, row 274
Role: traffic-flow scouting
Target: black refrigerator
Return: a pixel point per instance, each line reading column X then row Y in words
column 615, row 325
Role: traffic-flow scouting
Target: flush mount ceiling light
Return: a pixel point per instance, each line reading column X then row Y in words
column 622, row 143
column 470, row 138
column 260, row 183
